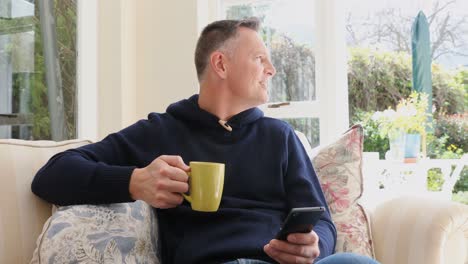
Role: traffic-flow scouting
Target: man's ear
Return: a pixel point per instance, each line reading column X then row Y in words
column 218, row 62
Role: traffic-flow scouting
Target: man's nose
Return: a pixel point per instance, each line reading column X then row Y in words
column 270, row 69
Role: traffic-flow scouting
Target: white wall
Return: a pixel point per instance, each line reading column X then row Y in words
column 166, row 38
column 144, row 61
column 109, row 60
column 116, row 60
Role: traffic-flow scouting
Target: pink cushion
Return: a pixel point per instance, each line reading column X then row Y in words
column 338, row 167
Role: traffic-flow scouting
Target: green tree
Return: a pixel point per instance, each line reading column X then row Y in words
column 29, row 83
column 379, row 79
column 295, row 70
column 65, row 18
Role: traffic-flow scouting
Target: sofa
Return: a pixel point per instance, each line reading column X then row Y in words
column 403, row 230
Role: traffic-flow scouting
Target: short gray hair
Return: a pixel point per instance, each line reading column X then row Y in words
column 215, row 35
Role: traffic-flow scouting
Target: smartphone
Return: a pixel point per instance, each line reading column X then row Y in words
column 300, row 220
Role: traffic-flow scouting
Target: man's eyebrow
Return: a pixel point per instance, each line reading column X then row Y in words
column 258, row 51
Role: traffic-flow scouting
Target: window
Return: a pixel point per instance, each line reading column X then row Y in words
column 38, row 69
column 309, row 89
column 290, row 40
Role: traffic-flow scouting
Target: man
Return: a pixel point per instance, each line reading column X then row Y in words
column 267, row 169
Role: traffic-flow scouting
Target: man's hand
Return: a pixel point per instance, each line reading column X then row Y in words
column 161, row 183
column 300, row 248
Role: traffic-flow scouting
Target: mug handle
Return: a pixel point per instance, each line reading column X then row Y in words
column 188, row 197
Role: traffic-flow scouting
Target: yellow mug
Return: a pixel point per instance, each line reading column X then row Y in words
column 206, row 181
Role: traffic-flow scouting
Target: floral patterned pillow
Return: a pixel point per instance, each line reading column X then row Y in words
column 114, row 233
column 339, row 169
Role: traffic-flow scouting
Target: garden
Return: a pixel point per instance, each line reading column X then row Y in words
column 381, row 99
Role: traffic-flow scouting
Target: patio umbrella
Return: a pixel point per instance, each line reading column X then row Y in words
column 421, row 51
column 422, row 77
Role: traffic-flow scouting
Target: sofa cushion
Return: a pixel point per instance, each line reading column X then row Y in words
column 114, row 233
column 22, row 214
column 339, row 169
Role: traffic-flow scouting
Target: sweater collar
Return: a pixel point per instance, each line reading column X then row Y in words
column 190, row 111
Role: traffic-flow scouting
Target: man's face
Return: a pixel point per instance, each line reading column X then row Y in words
column 249, row 68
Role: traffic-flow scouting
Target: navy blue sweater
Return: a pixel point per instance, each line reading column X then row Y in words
column 267, row 173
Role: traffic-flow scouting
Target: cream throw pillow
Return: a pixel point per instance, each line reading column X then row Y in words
column 22, row 214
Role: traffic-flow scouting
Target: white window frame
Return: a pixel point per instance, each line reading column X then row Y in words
column 331, row 105
column 87, row 92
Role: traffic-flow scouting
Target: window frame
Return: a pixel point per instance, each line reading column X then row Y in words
column 331, row 104
column 87, row 93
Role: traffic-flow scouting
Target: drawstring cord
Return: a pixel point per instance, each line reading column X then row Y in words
column 225, row 125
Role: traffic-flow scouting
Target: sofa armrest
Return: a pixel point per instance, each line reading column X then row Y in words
column 419, row 230
column 111, row 233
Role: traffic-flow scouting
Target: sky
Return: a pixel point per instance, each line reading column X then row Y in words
column 458, row 8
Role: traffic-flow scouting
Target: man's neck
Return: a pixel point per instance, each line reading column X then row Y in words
column 219, row 102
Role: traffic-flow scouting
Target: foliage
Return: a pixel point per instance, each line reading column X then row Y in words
column 462, row 183
column 462, row 77
column 449, row 93
column 435, row 180
column 373, row 140
column 380, row 79
column 41, row 124
column 410, row 116
column 65, row 18
column 29, row 80
column 377, row 80
column 295, row 70
column 461, row 197
column 455, row 127
column 308, row 126
column 436, row 148
column 244, row 11
column 441, row 147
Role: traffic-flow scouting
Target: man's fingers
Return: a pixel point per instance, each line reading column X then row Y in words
column 293, row 249
column 172, row 186
column 283, row 257
column 174, row 198
column 175, row 161
column 167, row 200
column 161, row 183
column 303, row 238
column 174, row 173
column 300, row 248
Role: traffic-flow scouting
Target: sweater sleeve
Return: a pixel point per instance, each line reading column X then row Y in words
column 303, row 190
column 96, row 173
